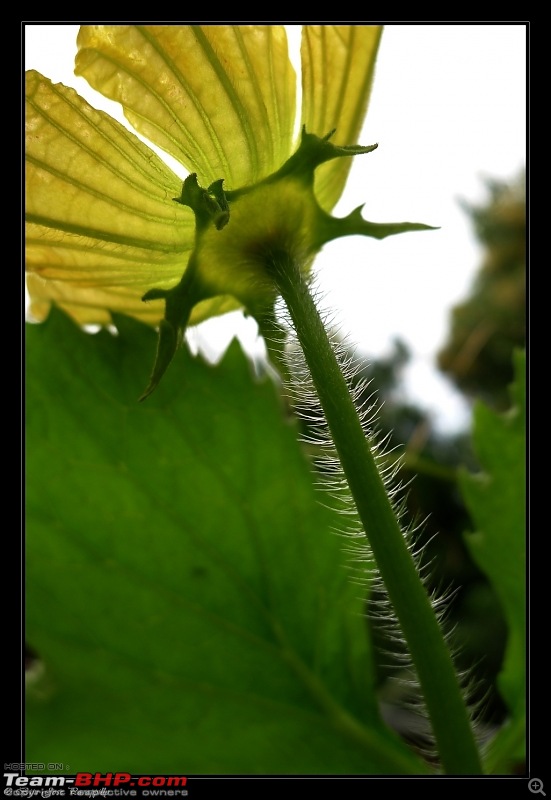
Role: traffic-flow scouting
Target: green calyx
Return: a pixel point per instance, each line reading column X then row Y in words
column 238, row 233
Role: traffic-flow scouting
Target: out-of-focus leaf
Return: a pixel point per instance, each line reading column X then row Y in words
column 496, row 501
column 186, row 593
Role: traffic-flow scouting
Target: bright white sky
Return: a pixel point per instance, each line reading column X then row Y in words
column 448, row 108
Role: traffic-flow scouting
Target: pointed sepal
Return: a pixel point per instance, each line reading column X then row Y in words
column 314, row 151
column 179, row 303
column 329, row 228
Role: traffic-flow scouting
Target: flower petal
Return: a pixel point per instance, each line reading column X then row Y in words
column 101, row 222
column 219, row 98
column 93, row 305
column 337, row 72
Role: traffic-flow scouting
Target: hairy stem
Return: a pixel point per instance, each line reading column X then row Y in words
column 420, row 627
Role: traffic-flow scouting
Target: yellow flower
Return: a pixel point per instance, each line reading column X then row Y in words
column 102, row 225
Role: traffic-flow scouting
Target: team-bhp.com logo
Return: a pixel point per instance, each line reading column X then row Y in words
column 97, row 783
column 125, row 779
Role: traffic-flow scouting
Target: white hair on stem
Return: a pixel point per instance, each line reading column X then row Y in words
column 299, row 390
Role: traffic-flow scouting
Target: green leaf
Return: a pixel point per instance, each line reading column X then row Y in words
column 186, row 592
column 496, row 501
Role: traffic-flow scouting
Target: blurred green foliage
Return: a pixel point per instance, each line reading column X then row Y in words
column 491, row 323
